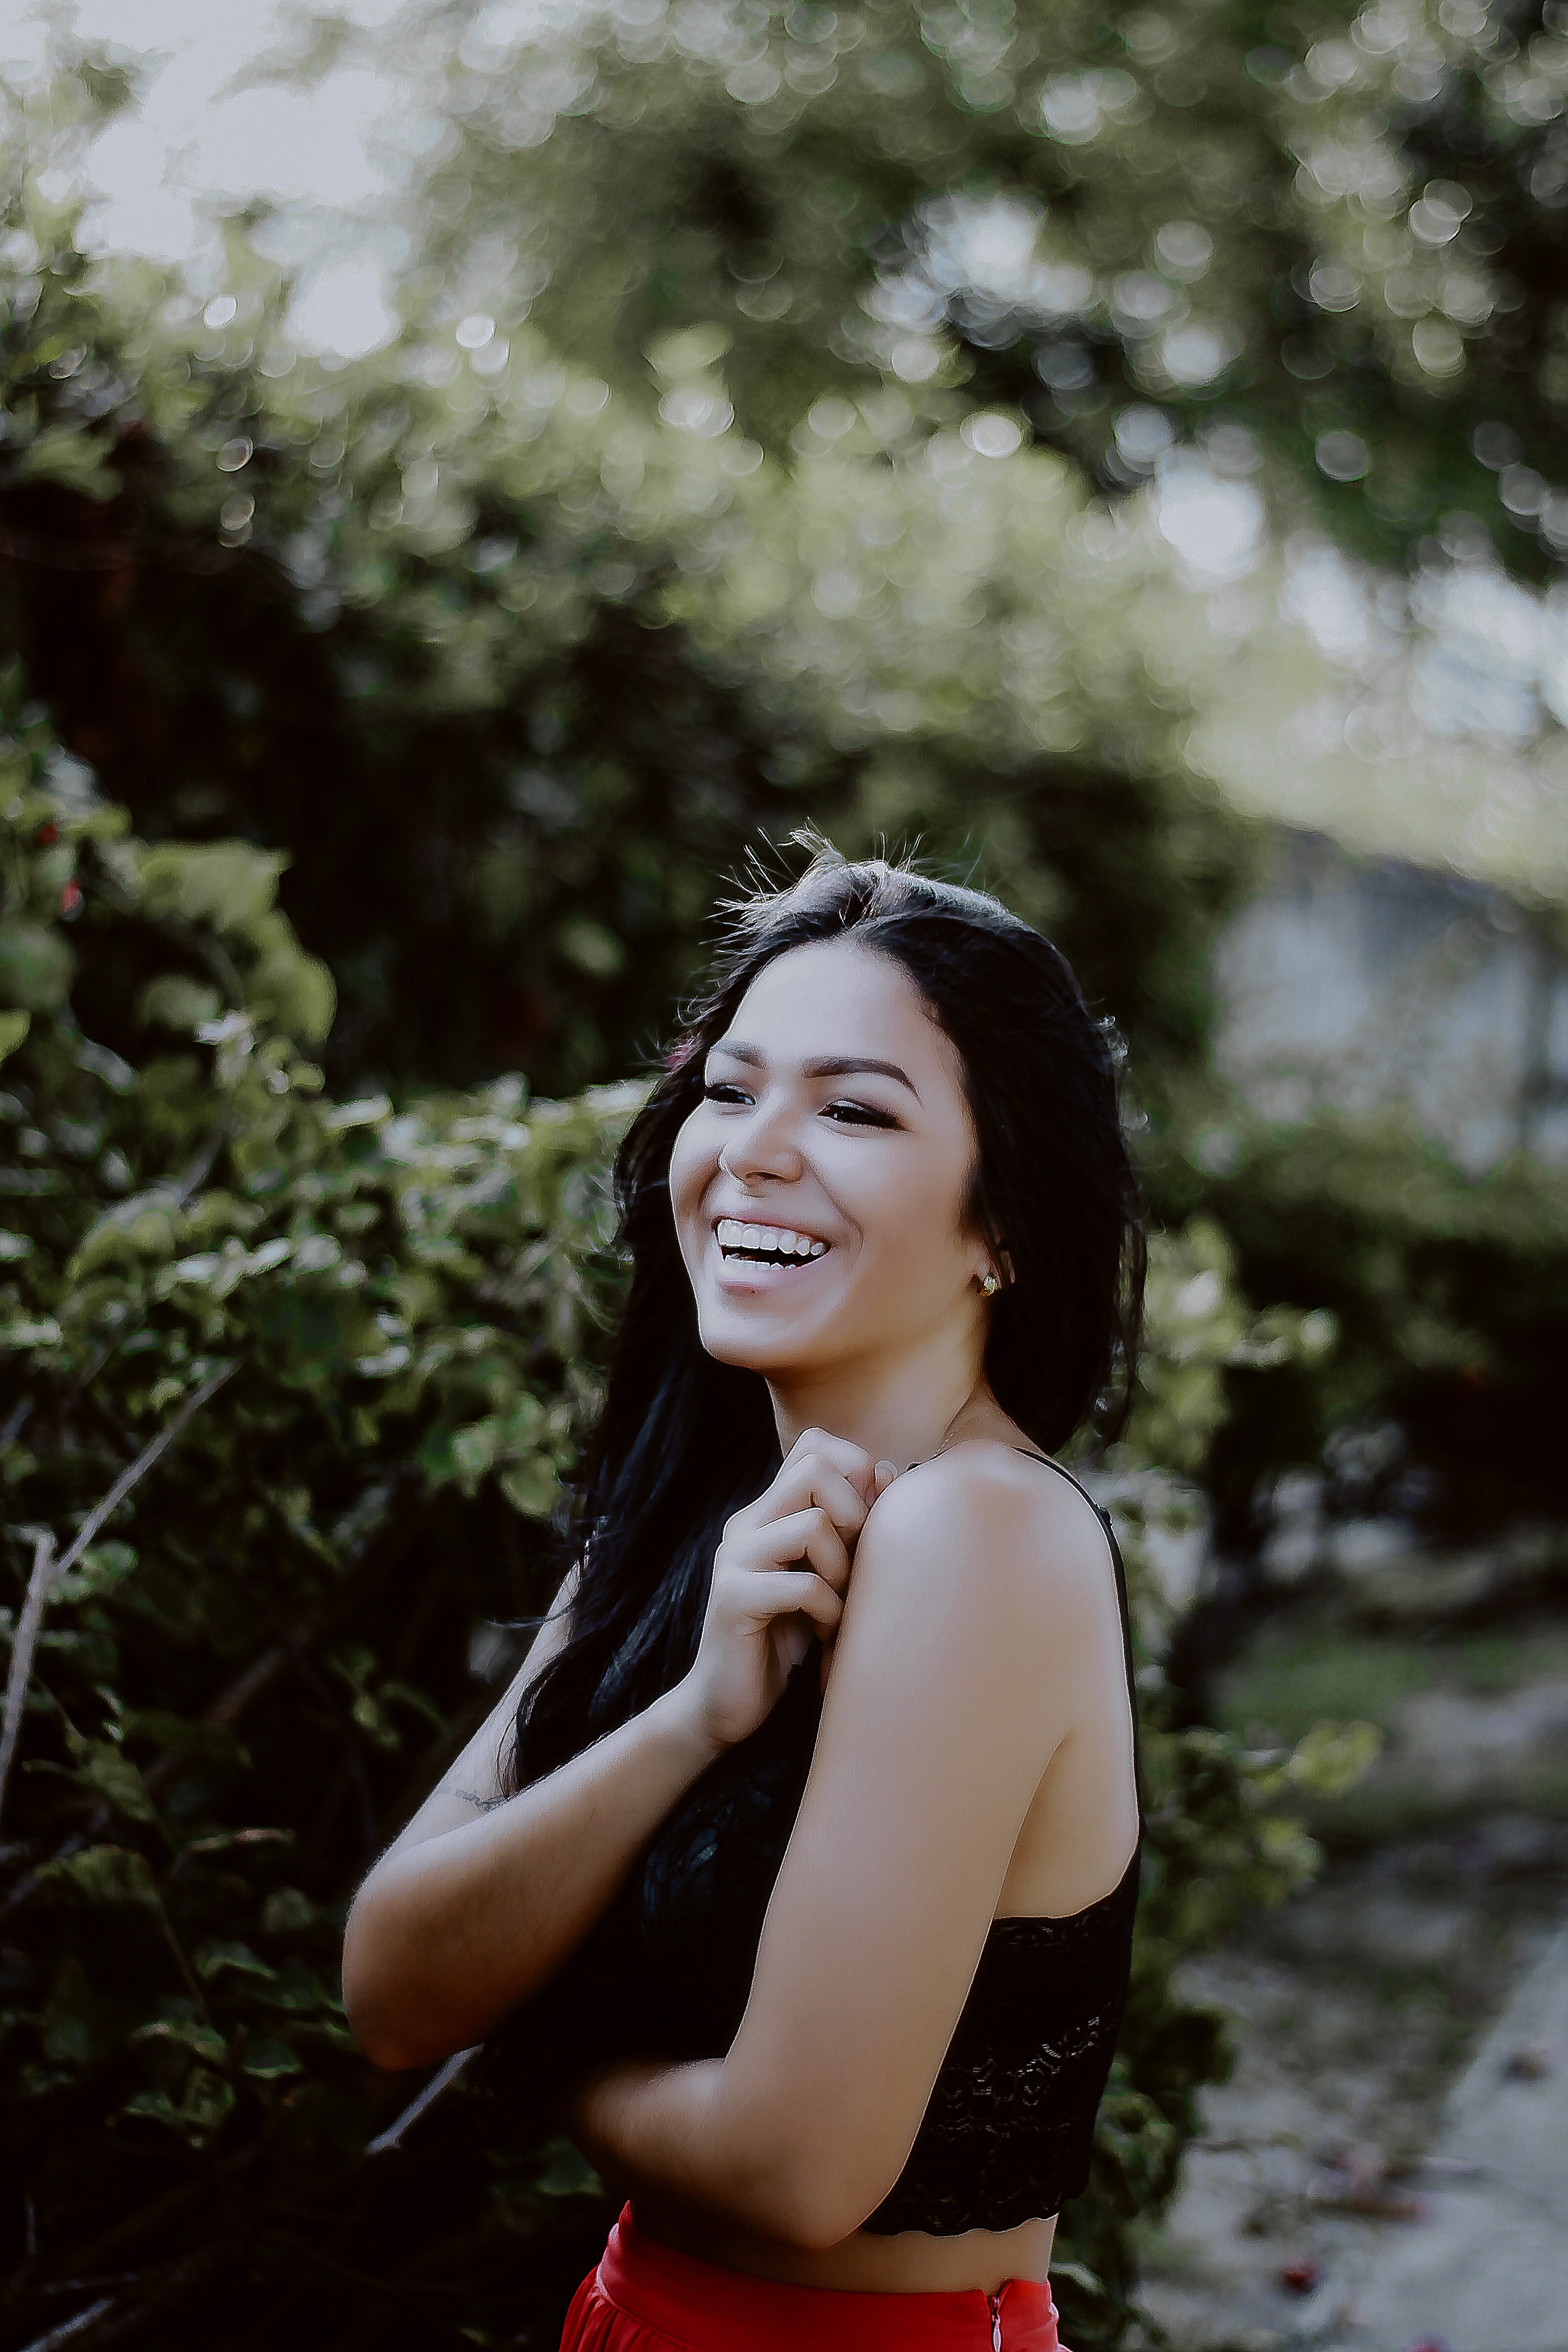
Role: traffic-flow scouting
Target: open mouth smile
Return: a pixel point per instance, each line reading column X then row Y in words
column 779, row 1246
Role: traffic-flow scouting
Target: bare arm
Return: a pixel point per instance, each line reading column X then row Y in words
column 980, row 1634
column 483, row 1897
column 478, row 1902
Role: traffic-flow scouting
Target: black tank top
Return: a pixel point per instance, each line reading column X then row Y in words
column 1008, row 2131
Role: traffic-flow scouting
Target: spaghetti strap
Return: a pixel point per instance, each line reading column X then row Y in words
column 1104, row 1515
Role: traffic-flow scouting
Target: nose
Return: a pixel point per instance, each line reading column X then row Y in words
column 762, row 1145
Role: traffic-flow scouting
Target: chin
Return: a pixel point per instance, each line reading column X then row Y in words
column 747, row 1356
column 750, row 1352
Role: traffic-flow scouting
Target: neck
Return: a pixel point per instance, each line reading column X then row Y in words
column 902, row 1412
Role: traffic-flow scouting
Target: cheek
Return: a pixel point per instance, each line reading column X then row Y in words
column 692, row 1165
column 919, row 1217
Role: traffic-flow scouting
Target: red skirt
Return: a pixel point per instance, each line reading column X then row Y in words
column 646, row 2297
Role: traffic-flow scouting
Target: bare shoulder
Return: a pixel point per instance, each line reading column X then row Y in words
column 980, row 1612
column 1004, row 1530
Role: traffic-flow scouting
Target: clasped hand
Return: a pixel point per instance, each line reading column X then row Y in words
column 780, row 1575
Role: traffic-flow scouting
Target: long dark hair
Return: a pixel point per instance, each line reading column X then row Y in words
column 684, row 1440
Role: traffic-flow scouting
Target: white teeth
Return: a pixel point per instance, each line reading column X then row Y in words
column 734, row 1235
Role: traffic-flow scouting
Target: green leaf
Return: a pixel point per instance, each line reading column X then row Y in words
column 155, row 2105
column 294, row 991
column 77, row 2026
column 14, row 1027
column 374, row 1723
column 287, row 1912
column 172, row 1002
column 1081, row 2276
column 147, row 1225
column 532, row 1486
column 567, row 2173
column 182, row 2033
column 68, row 453
column 105, row 1874
column 435, row 1457
column 225, row 884
column 271, row 2062
column 106, row 1566
column 238, row 1958
column 592, row 947
column 1331, row 1758
column 307, row 1328
column 298, row 1988
column 31, row 1331
column 473, row 1450
column 35, row 968
column 407, row 1695
column 208, row 2099
column 114, row 1776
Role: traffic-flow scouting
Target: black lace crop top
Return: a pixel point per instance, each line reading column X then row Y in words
column 1007, row 2134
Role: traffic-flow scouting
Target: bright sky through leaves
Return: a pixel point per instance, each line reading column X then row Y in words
column 1427, row 721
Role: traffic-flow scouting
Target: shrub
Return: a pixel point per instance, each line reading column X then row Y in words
column 333, row 1358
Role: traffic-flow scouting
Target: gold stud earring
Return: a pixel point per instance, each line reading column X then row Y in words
column 990, row 1282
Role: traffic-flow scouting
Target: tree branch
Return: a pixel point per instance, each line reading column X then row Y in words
column 48, row 1571
column 384, row 1553
column 441, row 2080
column 24, row 1640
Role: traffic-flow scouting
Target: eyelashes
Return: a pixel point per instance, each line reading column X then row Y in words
column 862, row 1115
column 859, row 1114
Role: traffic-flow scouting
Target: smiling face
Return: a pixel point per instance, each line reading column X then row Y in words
column 834, row 1232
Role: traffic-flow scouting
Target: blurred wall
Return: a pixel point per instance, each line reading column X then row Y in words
column 1355, row 984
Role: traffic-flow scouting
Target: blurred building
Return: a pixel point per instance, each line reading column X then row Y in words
column 1355, row 983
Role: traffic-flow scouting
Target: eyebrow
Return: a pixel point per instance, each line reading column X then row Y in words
column 825, row 1066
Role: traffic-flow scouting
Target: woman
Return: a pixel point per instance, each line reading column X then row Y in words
column 808, row 1885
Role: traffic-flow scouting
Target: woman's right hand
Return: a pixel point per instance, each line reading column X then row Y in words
column 780, row 1575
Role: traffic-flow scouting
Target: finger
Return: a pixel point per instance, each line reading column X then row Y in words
column 811, row 1481
column 785, row 1590
column 842, row 1452
column 796, row 1486
column 811, row 1536
column 801, row 1535
column 886, row 1474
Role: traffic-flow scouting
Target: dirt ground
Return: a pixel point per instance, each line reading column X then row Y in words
column 1357, row 2006
column 1353, row 2011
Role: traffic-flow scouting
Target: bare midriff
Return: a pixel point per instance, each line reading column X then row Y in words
column 912, row 2262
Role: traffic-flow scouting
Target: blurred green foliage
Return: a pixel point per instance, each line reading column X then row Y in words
column 513, row 670
column 1318, row 236
column 376, row 1336
column 1449, row 1295
column 743, row 457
